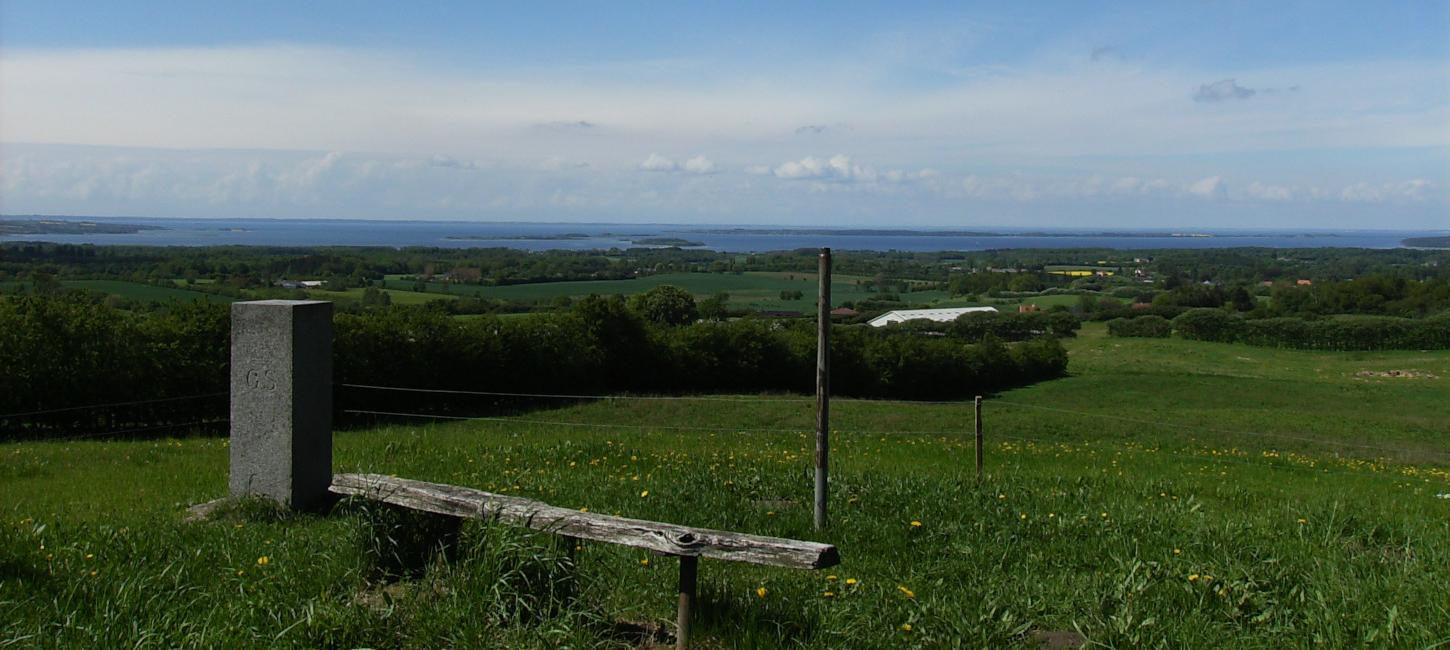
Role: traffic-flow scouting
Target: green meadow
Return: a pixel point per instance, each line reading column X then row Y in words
column 750, row 289
column 396, row 297
column 1167, row 493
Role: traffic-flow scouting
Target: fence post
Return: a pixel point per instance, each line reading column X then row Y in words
column 823, row 388
column 689, row 567
column 978, row 411
column 281, row 401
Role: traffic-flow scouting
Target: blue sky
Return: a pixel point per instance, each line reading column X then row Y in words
column 1315, row 115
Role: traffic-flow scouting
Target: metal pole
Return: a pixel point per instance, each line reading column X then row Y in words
column 689, row 566
column 823, row 388
column 979, row 438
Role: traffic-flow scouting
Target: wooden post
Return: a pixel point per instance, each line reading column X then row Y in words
column 823, row 388
column 689, row 566
column 979, row 438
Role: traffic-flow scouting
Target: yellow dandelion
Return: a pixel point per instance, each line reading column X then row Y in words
column 1193, row 577
column 828, row 594
column 1303, row 521
column 905, row 627
column 584, row 509
column 850, row 581
column 644, row 493
column 264, row 561
column 644, row 562
column 90, row 556
column 915, row 524
column 761, row 591
column 831, row 578
column 1178, row 551
column 906, row 592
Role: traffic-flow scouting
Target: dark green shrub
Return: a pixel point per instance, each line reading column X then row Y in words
column 1150, row 326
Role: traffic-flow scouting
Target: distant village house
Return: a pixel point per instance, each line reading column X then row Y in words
column 301, row 284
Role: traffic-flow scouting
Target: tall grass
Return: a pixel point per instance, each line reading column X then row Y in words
column 1198, row 531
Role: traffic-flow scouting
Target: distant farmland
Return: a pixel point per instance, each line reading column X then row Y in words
column 756, row 289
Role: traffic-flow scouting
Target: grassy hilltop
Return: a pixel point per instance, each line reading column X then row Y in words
column 1169, row 493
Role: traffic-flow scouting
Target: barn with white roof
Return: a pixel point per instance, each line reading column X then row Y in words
column 945, row 315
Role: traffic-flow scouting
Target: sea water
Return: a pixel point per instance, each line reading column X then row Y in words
column 576, row 236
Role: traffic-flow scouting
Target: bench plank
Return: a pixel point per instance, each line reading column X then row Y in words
column 664, row 538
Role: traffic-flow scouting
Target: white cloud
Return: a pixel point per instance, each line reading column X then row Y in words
column 1267, row 192
column 1043, row 129
column 95, row 180
column 319, row 98
column 999, row 188
column 836, row 168
column 560, row 163
column 1212, row 187
column 699, row 165
column 1410, row 190
column 658, row 163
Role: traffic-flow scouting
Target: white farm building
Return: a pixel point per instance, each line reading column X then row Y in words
column 939, row 315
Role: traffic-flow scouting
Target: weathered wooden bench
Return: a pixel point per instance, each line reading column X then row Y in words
column 281, row 449
column 686, row 543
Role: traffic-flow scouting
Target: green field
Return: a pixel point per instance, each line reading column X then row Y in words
column 753, row 290
column 397, row 297
column 1166, row 494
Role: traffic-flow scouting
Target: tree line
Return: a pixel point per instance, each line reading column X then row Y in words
column 1345, row 332
column 72, row 350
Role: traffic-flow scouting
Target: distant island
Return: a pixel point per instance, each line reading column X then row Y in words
column 665, row 241
column 639, row 240
column 1427, row 242
column 56, row 227
column 877, row 232
column 559, row 237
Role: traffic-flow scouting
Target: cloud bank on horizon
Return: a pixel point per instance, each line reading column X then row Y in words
column 1143, row 116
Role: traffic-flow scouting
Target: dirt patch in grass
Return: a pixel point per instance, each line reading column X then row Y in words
column 1056, row 639
column 1399, row 374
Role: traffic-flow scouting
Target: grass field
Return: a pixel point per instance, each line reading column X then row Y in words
column 1168, row 493
column 753, row 289
column 398, row 297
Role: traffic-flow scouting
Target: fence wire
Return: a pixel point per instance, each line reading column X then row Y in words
column 105, row 434
column 91, row 407
column 1197, row 428
column 964, row 403
column 1184, row 456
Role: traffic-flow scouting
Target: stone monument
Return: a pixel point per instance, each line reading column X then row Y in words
column 281, row 403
